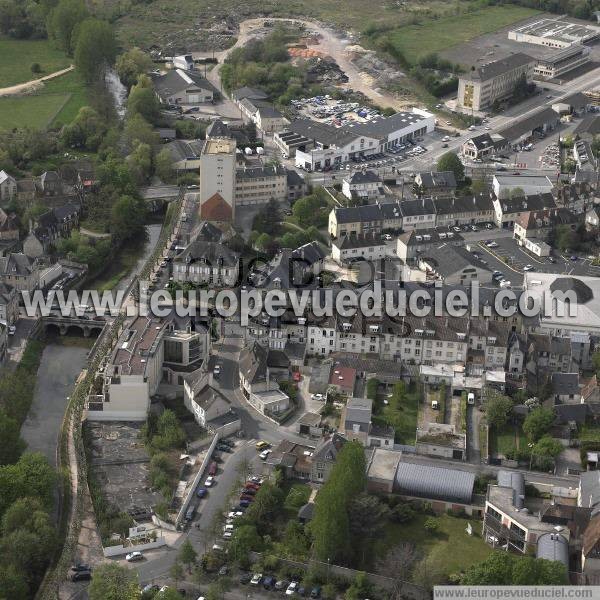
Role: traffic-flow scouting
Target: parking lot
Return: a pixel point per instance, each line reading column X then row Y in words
column 511, row 259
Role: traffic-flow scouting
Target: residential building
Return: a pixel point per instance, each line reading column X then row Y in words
column 257, row 382
column 20, row 272
column 483, row 146
column 508, row 210
column 418, row 214
column 356, row 424
column 183, row 87
column 371, row 218
column 206, row 263
column 565, row 388
column 132, row 375
column 381, row 470
column 9, row 304
column 455, row 265
column 263, row 114
column 296, row 186
column 588, row 127
column 415, row 243
column 325, row 455
column 49, row 227
column 9, row 226
column 480, row 89
column 203, row 401
column 592, row 218
column 369, row 246
column 362, row 185
column 436, row 184
column 259, row 184
column 217, row 180
column 464, row 210
column 539, row 224
column 8, row 187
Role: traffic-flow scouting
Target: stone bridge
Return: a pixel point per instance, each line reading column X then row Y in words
column 80, row 325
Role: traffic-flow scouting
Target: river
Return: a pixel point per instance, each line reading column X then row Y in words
column 59, row 368
column 118, row 91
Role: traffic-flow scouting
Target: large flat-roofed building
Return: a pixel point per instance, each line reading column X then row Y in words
column 561, row 62
column 259, row 184
column 555, row 33
column 217, row 179
column 317, row 146
column 480, row 88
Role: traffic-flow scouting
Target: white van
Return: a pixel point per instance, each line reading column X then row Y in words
column 471, row 398
column 505, row 284
column 435, row 405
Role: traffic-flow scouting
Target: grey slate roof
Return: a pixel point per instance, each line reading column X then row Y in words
column 358, row 241
column 218, row 129
column 172, row 82
column 415, row 208
column 565, row 384
column 529, row 123
column 248, row 92
column 210, row 252
column 253, row 363
column 381, row 127
column 588, row 125
column 434, row 483
column 529, row 203
column 358, row 410
column 363, row 177
column 311, row 253
column 184, row 149
column 15, row 264
column 322, row 133
column 438, row 179
column 464, row 204
column 499, row 67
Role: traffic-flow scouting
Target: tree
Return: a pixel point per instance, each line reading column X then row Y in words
column 360, row 588
column 187, row 554
column 267, row 504
column 402, row 513
column 142, row 101
column 244, row 540
column 176, row 571
column 11, row 444
column 450, row 162
column 163, row 166
column 170, row 594
column 268, row 218
column 501, row 568
column 111, row 581
column 330, row 527
column 139, row 131
column 95, row 48
column 547, row 447
column 127, row 218
column 431, row 524
column 565, row 237
column 12, row 583
column 35, row 68
column 85, row 131
column 131, row 64
column 62, row 21
column 396, row 563
column 140, row 163
column 497, row 409
column 538, row 422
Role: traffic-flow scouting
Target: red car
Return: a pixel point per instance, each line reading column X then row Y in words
column 253, row 486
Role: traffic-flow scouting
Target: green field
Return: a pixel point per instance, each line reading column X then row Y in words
column 57, row 102
column 414, row 41
column 17, row 56
column 402, row 416
column 450, row 548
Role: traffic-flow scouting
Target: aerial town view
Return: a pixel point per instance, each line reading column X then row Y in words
column 299, row 299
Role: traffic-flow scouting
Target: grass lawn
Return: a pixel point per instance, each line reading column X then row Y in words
column 57, row 102
column 401, row 414
column 506, row 440
column 589, row 433
column 414, row 41
column 450, row 547
column 17, row 56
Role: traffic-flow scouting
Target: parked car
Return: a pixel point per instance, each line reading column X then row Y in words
column 315, row 592
column 81, row 576
column 282, row 585
column 209, row 481
column 269, row 582
column 292, row 588
column 224, row 570
column 261, row 445
column 81, row 567
column 264, row 454
column 201, row 492
column 256, row 579
column 248, row 491
column 245, row 578
column 134, row 556
column 527, row 268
